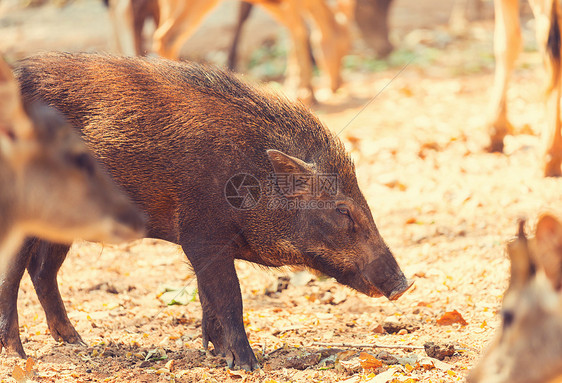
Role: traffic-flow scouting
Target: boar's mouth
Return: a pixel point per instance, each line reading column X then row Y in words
column 391, row 288
column 401, row 289
column 387, row 277
column 370, row 280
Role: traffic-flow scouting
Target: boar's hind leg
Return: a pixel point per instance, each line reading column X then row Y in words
column 44, row 264
column 9, row 327
column 221, row 300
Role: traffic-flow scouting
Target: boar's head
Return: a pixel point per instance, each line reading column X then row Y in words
column 334, row 231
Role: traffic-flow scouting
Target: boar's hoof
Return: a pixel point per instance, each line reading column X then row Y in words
column 212, row 332
column 251, row 365
column 66, row 333
column 236, row 352
column 13, row 347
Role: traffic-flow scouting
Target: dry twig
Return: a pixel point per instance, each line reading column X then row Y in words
column 366, row 345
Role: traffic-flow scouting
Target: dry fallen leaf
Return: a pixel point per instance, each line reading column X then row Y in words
column 451, row 317
column 425, row 364
column 353, row 379
column 428, row 363
column 384, row 377
column 22, row 376
column 170, row 365
column 369, row 362
column 18, row 374
column 236, row 374
column 406, row 91
column 353, row 365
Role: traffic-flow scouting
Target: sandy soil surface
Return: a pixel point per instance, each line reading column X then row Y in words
column 444, row 206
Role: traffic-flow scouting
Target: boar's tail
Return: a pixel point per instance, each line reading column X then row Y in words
column 553, row 45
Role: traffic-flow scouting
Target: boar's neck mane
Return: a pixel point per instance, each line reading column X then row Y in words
column 139, row 91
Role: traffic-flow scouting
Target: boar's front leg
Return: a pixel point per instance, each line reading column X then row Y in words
column 221, row 300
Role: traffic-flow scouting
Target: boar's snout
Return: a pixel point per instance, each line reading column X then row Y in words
column 400, row 289
column 387, row 278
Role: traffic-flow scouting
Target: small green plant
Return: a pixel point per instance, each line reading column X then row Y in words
column 178, row 296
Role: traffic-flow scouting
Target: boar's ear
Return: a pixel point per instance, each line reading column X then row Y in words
column 548, row 239
column 285, row 164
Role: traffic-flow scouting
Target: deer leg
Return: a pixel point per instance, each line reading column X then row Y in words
column 507, row 44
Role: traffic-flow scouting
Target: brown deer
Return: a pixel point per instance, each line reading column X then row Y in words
column 528, row 346
column 50, row 185
column 507, row 44
column 129, row 17
column 177, row 20
column 371, row 17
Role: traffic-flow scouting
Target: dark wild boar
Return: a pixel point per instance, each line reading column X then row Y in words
column 184, row 140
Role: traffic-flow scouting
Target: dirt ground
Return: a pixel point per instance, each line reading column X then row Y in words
column 444, row 206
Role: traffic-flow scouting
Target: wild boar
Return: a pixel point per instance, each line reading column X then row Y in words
column 222, row 168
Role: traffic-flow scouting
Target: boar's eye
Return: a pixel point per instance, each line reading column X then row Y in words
column 342, row 209
column 507, row 318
